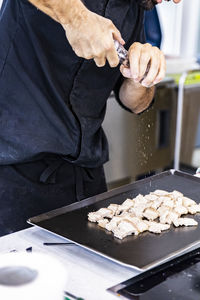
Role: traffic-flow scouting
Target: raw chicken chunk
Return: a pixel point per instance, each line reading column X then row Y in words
column 99, row 214
column 115, row 208
column 113, row 223
column 185, row 222
column 139, row 224
column 160, row 193
column 193, row 209
column 181, row 210
column 188, row 202
column 102, row 223
column 126, row 205
column 176, row 194
column 157, row 227
column 150, row 214
column 124, row 229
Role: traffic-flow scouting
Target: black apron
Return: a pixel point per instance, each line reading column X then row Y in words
column 29, row 189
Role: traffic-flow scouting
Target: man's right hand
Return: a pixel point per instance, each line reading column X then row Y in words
column 92, row 37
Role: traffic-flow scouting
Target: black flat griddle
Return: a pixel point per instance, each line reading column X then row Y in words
column 139, row 252
column 178, row 279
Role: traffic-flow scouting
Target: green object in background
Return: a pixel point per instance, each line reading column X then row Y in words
column 66, row 298
column 192, row 78
column 69, row 296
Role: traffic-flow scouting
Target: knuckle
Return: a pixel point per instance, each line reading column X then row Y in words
column 108, row 46
column 134, row 46
column 148, row 46
column 110, row 23
column 156, row 49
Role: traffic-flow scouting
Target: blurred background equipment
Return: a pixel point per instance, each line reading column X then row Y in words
column 144, row 145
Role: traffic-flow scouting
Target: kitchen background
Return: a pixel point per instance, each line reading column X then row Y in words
column 144, row 145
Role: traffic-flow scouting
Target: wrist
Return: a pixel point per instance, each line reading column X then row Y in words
column 73, row 13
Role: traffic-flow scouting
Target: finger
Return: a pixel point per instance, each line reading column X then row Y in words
column 134, row 58
column 112, row 57
column 162, row 70
column 117, row 35
column 145, row 58
column 100, row 61
column 126, row 72
column 153, row 71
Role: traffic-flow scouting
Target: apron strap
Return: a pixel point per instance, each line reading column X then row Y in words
column 49, row 174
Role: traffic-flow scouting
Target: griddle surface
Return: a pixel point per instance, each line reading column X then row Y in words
column 141, row 251
column 178, row 279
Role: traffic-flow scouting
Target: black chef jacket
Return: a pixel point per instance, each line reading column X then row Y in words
column 52, row 101
column 52, row 105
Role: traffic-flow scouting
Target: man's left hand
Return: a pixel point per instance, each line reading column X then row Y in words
column 142, row 57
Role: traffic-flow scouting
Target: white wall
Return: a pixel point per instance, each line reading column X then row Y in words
column 180, row 26
column 1, row 3
column 170, row 16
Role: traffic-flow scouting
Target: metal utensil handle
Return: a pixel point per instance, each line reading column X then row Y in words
column 122, row 53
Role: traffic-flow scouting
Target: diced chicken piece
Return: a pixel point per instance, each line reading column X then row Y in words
column 168, row 202
column 157, row 227
column 102, row 223
column 188, row 202
column 160, row 193
column 181, row 210
column 113, row 223
column 139, row 200
column 151, row 197
column 150, row 214
column 156, row 203
column 124, row 229
column 138, row 210
column 100, row 214
column 105, row 212
column 115, row 208
column 126, row 205
column 171, row 217
column 138, row 223
column 163, row 216
column 185, row 222
column 162, row 209
column 179, row 201
column 94, row 217
column 176, row 194
column 193, row 209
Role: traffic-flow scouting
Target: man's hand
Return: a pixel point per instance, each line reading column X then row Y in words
column 147, row 65
column 91, row 37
